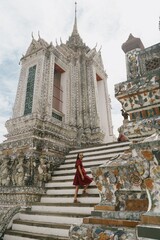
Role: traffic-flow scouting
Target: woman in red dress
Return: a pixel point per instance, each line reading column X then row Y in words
column 80, row 178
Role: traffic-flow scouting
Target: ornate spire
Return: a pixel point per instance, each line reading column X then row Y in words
column 75, row 31
column 75, row 39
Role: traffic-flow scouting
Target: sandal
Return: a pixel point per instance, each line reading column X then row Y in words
column 76, row 201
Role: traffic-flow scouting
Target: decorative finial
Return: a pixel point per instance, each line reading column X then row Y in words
column 32, row 35
column 75, row 21
column 100, row 48
column 56, row 42
column 75, row 9
column 39, row 34
column 95, row 45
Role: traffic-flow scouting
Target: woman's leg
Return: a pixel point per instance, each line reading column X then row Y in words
column 85, row 187
column 76, row 193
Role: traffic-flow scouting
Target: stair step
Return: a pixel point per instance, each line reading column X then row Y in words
column 96, row 148
column 69, row 191
column 53, row 217
column 68, row 195
column 65, row 185
column 22, row 235
column 62, row 174
column 70, row 172
column 55, row 213
column 59, row 178
column 99, row 157
column 88, row 165
column 69, row 199
column 41, row 227
column 96, row 155
column 67, row 209
column 66, row 204
column 42, row 224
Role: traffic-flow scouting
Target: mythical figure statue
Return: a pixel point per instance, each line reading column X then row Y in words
column 4, row 169
column 19, row 176
column 43, row 171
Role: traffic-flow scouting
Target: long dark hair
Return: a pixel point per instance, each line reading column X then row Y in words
column 77, row 159
column 78, row 155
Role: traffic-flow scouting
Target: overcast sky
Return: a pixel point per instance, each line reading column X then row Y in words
column 105, row 22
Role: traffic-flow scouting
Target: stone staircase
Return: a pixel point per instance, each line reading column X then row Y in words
column 52, row 217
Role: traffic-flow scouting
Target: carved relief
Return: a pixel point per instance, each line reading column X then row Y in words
column 21, row 170
column 133, row 64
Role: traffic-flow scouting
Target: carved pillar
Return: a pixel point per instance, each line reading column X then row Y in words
column 93, row 98
column 47, row 90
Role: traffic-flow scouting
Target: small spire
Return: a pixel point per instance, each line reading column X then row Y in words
column 32, row 35
column 75, row 31
column 75, row 39
column 95, row 45
column 39, row 34
column 100, row 48
column 75, row 8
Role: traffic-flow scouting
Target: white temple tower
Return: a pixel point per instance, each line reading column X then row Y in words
column 62, row 98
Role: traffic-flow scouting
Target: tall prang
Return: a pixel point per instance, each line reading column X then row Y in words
column 140, row 94
column 62, row 100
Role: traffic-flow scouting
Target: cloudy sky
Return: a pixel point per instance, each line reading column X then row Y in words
column 105, row 22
